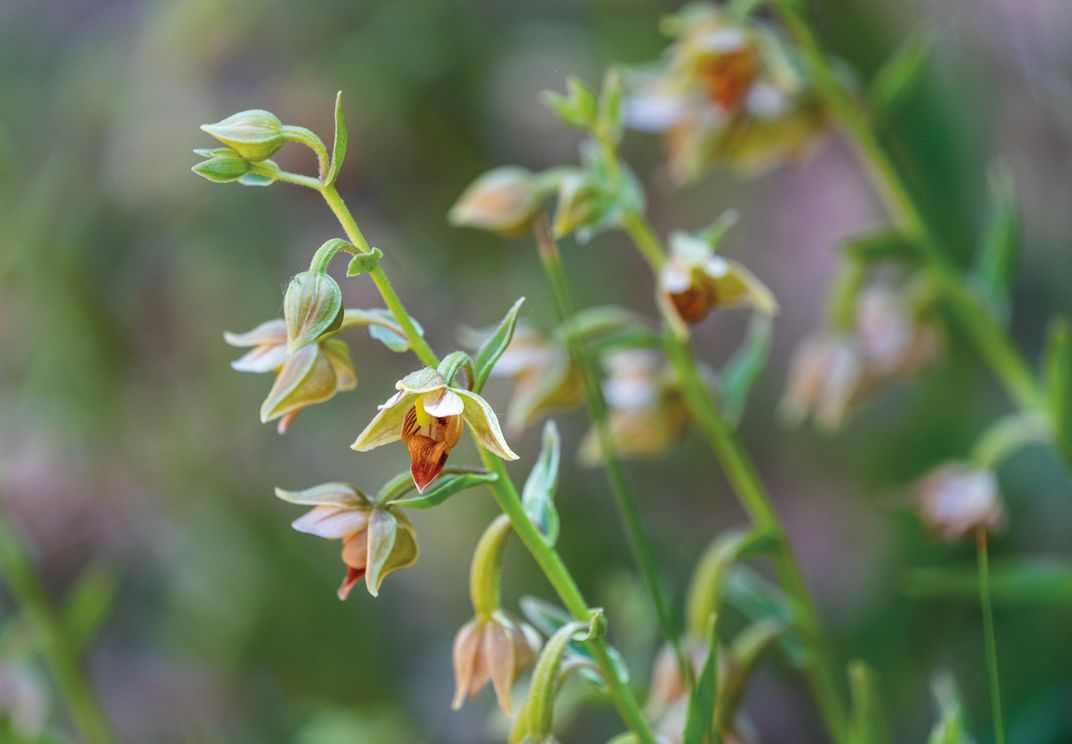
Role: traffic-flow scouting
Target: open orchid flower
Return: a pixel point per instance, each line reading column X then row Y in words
column 428, row 415
column 313, row 374
column 375, row 540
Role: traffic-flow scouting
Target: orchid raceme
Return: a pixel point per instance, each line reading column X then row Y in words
column 428, row 415
column 311, row 375
column 375, row 540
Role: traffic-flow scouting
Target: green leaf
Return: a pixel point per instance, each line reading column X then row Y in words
column 577, row 107
column 868, row 724
column 1058, row 371
column 744, row 367
column 610, row 119
column 702, row 699
column 715, row 233
column 593, row 322
column 538, row 495
column 386, row 336
column 709, row 576
column 902, row 71
column 999, row 241
column 884, row 245
column 758, row 599
column 89, row 603
column 338, row 149
column 446, row 485
column 1019, row 582
column 364, row 263
column 495, row 345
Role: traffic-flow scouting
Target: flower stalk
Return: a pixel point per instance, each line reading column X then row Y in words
column 629, row 514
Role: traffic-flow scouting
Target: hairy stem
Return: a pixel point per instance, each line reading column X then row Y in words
column 629, row 514
column 988, row 632
column 739, row 470
column 52, row 638
column 505, row 492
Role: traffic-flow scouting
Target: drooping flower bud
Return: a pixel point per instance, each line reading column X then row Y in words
column 428, row 415
column 827, row 377
column 312, row 375
column 375, row 540
column 312, row 306
column 255, row 135
column 504, row 200
column 221, row 166
column 957, row 500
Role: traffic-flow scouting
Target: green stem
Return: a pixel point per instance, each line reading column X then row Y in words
column 742, row 475
column 979, row 325
column 505, row 493
column 25, row 585
column 629, row 514
column 988, row 631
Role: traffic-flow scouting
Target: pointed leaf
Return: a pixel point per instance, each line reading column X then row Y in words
column 495, row 345
column 1019, row 582
column 999, row 241
column 868, row 724
column 364, row 263
column 701, row 710
column 548, row 619
column 89, row 603
column 338, row 150
column 902, row 71
column 1058, row 370
column 538, row 496
column 744, row 367
column 445, row 486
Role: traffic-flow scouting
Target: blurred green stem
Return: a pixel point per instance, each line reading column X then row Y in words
column 632, row 523
column 66, row 667
column 742, row 475
column 984, row 331
column 988, row 631
column 505, row 492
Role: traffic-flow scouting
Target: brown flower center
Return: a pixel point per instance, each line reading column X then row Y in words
column 694, row 303
column 429, row 445
column 728, row 76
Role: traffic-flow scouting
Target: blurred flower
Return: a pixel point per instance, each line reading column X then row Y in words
column 696, row 280
column 428, row 414
column 375, row 540
column 540, row 366
column 831, row 372
column 311, row 375
column 647, row 413
column 730, row 89
column 495, row 648
column 504, row 200
column 23, row 702
column 957, row 499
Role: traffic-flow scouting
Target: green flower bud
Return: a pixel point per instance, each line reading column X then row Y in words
column 312, row 307
column 504, row 200
column 223, row 165
column 255, row 135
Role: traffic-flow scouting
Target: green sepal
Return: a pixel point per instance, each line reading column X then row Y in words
column 494, row 346
column 392, row 544
column 312, row 306
column 703, row 697
column 455, row 363
column 326, row 494
column 256, row 179
column 364, row 263
column 538, row 495
column 446, row 485
column 338, row 148
column 222, row 166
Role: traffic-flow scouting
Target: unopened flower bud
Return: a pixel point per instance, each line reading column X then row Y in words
column 958, row 500
column 495, row 649
column 312, row 307
column 222, row 166
column 504, row 200
column 577, row 204
column 255, row 135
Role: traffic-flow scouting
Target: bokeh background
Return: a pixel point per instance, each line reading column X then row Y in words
column 130, row 450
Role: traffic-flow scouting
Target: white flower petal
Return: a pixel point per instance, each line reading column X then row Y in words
column 332, row 522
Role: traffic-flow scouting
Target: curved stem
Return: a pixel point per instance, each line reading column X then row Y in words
column 55, row 644
column 632, row 524
column 742, row 475
column 506, row 495
column 988, row 632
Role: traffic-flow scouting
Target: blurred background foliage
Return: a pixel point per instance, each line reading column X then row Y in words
column 129, row 447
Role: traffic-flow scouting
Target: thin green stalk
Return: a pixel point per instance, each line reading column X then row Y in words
column 742, row 475
column 505, row 492
column 988, row 632
column 53, row 640
column 632, row 523
column 979, row 325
